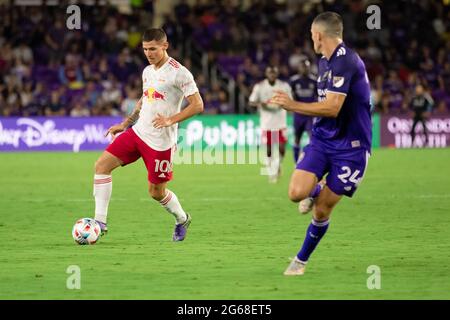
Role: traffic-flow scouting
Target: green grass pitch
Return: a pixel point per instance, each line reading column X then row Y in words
column 243, row 232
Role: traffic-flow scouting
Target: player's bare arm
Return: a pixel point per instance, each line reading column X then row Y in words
column 194, row 107
column 329, row 107
column 257, row 104
column 262, row 105
column 132, row 118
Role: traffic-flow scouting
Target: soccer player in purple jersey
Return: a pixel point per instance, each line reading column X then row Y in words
column 304, row 88
column 341, row 135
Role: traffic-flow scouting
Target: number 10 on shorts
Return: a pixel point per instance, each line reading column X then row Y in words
column 162, row 166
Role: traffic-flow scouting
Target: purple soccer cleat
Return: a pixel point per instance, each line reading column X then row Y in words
column 181, row 229
column 103, row 228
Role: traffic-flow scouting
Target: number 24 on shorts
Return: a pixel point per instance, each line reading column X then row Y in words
column 348, row 173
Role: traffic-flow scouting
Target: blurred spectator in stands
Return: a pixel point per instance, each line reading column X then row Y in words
column 79, row 110
column 97, row 109
column 239, row 40
column 132, row 97
column 110, row 109
column 26, row 94
column 296, row 57
column 24, row 53
column 21, row 70
column 86, row 70
column 102, row 70
column 394, row 87
column 123, row 67
column 112, row 92
column 92, row 93
column 373, row 51
column 201, row 84
column 70, row 74
column 224, row 105
column 384, row 103
column 442, row 108
column 170, row 26
column 90, row 51
column 444, row 77
column 65, row 96
column 377, row 92
column 40, row 96
column 211, row 106
column 6, row 56
column 54, row 38
column 242, row 92
column 427, row 68
column 55, row 107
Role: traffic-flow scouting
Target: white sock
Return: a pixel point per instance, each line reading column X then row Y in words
column 102, row 194
column 280, row 163
column 274, row 165
column 269, row 165
column 173, row 206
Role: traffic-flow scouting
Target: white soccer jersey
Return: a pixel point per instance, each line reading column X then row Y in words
column 163, row 92
column 275, row 118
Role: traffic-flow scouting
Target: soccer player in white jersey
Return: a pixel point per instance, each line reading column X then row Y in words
column 273, row 120
column 150, row 131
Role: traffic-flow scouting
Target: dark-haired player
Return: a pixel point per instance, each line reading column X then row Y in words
column 150, row 131
column 341, row 135
column 304, row 89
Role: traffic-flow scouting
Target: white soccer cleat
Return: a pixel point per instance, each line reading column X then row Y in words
column 295, row 268
column 273, row 179
column 306, row 205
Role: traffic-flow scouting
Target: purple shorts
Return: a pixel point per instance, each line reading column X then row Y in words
column 301, row 124
column 345, row 169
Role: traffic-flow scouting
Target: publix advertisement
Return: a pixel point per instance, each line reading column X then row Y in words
column 229, row 131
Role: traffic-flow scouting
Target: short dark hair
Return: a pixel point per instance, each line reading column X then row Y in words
column 332, row 23
column 156, row 34
column 272, row 69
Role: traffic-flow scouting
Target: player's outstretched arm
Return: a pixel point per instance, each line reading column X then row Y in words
column 329, row 107
column 195, row 106
column 262, row 105
column 132, row 118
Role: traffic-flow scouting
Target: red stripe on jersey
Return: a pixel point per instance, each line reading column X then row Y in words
column 174, row 63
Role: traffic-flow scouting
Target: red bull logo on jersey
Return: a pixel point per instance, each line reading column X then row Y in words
column 152, row 95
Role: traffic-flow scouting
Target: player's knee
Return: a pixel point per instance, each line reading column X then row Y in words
column 157, row 193
column 101, row 167
column 322, row 211
column 297, row 194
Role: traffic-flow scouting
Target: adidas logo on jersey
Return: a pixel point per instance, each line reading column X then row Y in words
column 162, row 175
column 341, row 52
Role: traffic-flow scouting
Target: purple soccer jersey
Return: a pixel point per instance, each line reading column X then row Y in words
column 341, row 146
column 345, row 73
column 304, row 90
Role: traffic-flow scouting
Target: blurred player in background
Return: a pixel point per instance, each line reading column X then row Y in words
column 421, row 104
column 304, row 89
column 153, row 131
column 341, row 135
column 273, row 120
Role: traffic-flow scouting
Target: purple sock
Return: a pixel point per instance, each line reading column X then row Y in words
column 296, row 152
column 316, row 191
column 315, row 232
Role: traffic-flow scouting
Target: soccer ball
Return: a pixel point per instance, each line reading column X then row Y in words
column 86, row 231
